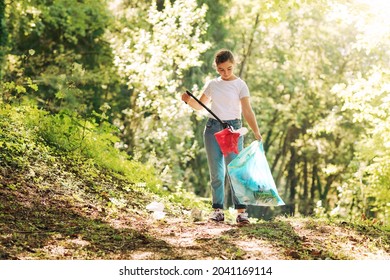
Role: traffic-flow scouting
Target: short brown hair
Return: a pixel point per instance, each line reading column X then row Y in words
column 222, row 56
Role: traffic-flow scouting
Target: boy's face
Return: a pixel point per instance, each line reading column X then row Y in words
column 225, row 69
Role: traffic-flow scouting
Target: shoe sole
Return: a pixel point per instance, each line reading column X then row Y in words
column 216, row 221
column 243, row 223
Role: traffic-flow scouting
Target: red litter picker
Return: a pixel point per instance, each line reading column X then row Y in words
column 227, row 138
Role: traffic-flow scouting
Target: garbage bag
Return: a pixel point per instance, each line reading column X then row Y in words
column 251, row 177
column 227, row 141
column 157, row 208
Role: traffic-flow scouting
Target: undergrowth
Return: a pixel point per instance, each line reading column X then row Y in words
column 30, row 135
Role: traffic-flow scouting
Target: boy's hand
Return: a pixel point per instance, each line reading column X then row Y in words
column 185, row 97
column 258, row 137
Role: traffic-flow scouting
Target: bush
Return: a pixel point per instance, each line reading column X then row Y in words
column 29, row 134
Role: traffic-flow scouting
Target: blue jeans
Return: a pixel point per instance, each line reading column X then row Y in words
column 218, row 163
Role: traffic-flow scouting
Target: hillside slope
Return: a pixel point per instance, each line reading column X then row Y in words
column 57, row 204
column 57, row 214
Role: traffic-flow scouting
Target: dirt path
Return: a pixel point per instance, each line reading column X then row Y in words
column 282, row 239
column 207, row 240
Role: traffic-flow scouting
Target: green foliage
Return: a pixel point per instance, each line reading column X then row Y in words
column 61, row 46
column 70, row 134
column 188, row 199
column 18, row 145
column 3, row 29
column 368, row 189
column 3, row 36
column 11, row 92
column 29, row 134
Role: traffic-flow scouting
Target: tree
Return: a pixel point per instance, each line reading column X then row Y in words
column 152, row 57
column 367, row 192
column 3, row 36
column 61, row 46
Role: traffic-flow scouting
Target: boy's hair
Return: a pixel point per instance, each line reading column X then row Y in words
column 222, row 56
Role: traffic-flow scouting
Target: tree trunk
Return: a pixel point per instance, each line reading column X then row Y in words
column 248, row 51
column 305, row 195
column 311, row 202
column 3, row 36
column 293, row 181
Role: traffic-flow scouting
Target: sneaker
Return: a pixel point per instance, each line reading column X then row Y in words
column 242, row 218
column 217, row 216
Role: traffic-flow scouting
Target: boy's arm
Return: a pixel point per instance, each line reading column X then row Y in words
column 249, row 116
column 192, row 102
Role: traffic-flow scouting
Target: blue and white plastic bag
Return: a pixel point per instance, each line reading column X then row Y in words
column 251, row 177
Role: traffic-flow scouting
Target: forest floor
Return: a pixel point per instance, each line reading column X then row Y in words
column 52, row 215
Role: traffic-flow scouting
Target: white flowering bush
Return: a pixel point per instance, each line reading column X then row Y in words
column 152, row 59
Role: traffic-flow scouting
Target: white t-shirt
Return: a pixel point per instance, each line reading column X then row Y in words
column 225, row 97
